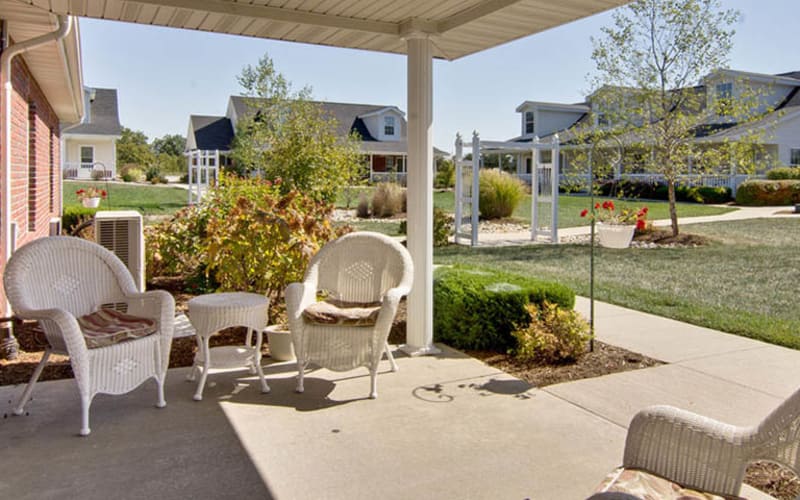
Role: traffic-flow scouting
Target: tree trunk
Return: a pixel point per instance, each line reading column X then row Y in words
column 673, row 212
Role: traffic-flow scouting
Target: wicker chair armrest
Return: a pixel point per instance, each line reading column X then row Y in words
column 689, row 449
column 62, row 332
column 298, row 297
column 155, row 304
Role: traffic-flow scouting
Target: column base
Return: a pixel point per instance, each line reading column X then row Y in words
column 414, row 351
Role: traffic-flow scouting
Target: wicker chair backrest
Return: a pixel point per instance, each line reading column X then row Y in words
column 361, row 267
column 66, row 273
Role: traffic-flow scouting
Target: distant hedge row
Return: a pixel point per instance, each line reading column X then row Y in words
column 765, row 193
column 648, row 190
column 480, row 309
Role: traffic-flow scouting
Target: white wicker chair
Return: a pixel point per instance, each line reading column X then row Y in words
column 55, row 280
column 707, row 455
column 358, row 267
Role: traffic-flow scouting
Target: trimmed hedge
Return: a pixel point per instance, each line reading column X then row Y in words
column 75, row 215
column 784, row 173
column 765, row 193
column 480, row 309
column 647, row 190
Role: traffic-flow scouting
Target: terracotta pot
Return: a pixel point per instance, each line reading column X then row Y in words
column 280, row 343
column 615, row 235
column 91, row 202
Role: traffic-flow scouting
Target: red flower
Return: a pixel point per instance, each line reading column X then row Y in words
column 611, row 205
column 640, row 225
column 597, row 205
column 584, row 212
column 644, row 210
column 80, row 191
column 103, row 193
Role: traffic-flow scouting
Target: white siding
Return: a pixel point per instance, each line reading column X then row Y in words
column 104, row 152
column 787, row 137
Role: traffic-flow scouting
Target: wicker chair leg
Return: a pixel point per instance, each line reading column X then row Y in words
column 373, row 383
column 86, row 402
column 23, row 400
column 390, row 357
column 161, row 403
column 301, row 368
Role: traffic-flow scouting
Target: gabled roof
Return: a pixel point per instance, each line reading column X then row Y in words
column 211, row 132
column 347, row 115
column 102, row 114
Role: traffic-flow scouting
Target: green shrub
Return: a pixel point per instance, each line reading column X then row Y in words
column 74, row 216
column 500, row 193
column 784, row 173
column 554, row 335
column 445, row 175
column 152, row 173
column 388, row 199
column 763, row 193
column 131, row 173
column 176, row 247
column 442, row 227
column 480, row 309
column 638, row 189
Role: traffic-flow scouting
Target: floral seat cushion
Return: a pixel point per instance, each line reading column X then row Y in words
column 638, row 484
column 335, row 312
column 108, row 326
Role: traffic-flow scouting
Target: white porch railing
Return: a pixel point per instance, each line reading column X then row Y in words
column 79, row 170
column 707, row 180
column 398, row 177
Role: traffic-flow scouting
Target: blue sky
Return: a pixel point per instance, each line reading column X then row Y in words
column 164, row 75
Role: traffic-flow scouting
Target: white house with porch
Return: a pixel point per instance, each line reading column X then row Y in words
column 89, row 148
column 382, row 129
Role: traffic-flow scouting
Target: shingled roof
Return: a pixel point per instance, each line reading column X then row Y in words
column 102, row 113
column 346, row 114
column 211, row 132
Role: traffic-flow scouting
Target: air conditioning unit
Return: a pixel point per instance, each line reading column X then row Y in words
column 122, row 233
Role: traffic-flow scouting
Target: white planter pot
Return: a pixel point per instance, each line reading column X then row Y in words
column 280, row 343
column 615, row 235
column 91, row 202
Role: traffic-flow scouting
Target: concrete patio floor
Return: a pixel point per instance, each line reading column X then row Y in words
column 442, row 427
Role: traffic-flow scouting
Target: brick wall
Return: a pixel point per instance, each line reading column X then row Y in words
column 35, row 161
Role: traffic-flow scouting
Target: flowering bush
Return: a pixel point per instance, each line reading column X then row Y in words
column 607, row 213
column 91, row 192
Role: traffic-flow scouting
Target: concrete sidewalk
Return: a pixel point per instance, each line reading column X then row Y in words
column 443, row 427
column 741, row 213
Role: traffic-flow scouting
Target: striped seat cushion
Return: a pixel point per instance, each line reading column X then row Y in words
column 632, row 484
column 334, row 312
column 107, row 327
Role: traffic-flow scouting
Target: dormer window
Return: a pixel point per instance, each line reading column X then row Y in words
column 724, row 93
column 388, row 125
column 529, row 122
column 603, row 120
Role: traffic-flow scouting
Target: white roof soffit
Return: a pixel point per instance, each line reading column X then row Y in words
column 458, row 27
column 56, row 66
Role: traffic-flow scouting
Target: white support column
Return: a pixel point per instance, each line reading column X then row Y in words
column 535, row 188
column 189, row 159
column 419, row 329
column 555, row 174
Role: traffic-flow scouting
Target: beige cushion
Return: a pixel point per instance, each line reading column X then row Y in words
column 332, row 312
column 108, row 326
column 638, row 484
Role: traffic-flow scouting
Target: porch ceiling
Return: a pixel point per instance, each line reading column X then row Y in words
column 459, row 27
column 52, row 64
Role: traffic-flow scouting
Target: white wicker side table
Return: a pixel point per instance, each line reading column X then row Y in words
column 213, row 312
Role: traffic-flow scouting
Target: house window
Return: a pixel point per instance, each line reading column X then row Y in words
column 388, row 125
column 529, row 122
column 794, row 157
column 390, row 163
column 87, row 156
column 724, row 95
column 602, row 120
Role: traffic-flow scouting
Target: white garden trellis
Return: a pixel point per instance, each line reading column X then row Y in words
column 544, row 186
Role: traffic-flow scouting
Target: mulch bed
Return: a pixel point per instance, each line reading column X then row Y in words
column 664, row 238
column 606, row 359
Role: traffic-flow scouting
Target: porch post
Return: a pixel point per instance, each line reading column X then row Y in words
column 419, row 336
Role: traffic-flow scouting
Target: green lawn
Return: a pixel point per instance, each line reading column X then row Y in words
column 145, row 199
column 745, row 283
column 569, row 207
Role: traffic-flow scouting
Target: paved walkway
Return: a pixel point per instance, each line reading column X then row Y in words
column 443, row 427
column 742, row 213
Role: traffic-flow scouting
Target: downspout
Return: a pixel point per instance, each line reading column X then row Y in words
column 63, row 29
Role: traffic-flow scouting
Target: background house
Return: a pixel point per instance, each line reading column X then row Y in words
column 382, row 129
column 46, row 91
column 91, row 145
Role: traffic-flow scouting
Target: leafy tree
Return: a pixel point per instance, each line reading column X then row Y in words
column 648, row 64
column 132, row 148
column 170, row 144
column 287, row 136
